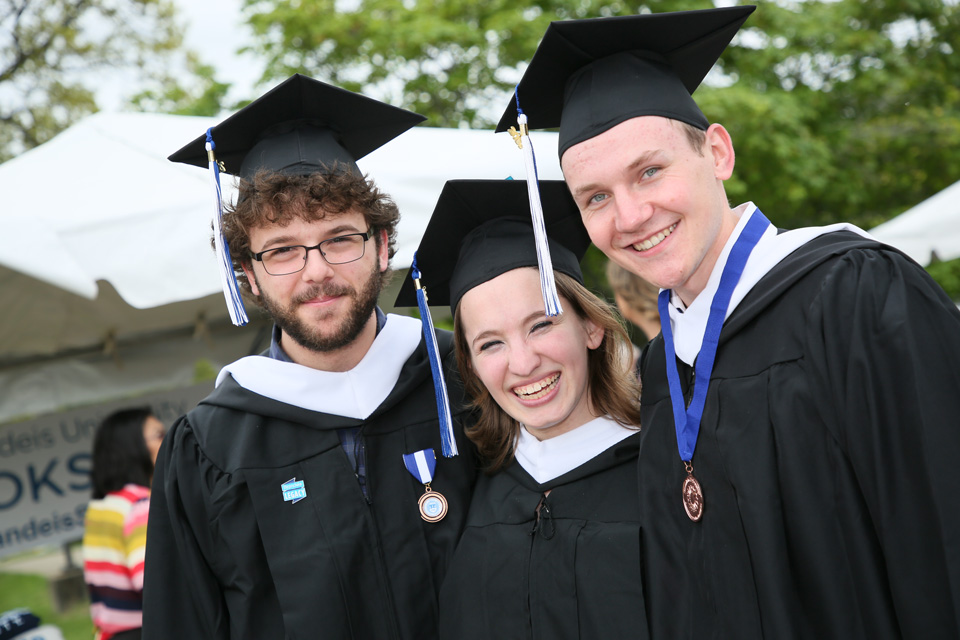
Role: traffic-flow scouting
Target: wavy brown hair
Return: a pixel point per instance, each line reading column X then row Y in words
column 613, row 388
column 272, row 198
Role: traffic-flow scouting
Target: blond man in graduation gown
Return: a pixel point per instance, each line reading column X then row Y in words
column 799, row 411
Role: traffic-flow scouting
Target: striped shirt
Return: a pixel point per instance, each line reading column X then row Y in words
column 114, row 539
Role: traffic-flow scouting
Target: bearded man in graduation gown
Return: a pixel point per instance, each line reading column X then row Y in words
column 286, row 504
column 800, row 408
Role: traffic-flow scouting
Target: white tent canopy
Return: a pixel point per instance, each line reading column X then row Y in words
column 107, row 261
column 101, row 201
column 931, row 228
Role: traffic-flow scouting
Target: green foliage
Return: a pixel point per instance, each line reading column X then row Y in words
column 204, row 371
column 53, row 53
column 867, row 116
column 947, row 275
column 593, row 266
column 33, row 592
column 839, row 109
column 205, row 97
column 446, row 59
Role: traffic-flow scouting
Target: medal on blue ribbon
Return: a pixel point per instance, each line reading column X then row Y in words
column 421, row 465
column 687, row 419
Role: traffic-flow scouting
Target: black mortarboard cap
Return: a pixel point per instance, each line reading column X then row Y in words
column 587, row 76
column 299, row 127
column 481, row 229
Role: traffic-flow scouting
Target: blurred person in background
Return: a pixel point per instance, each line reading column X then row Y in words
column 637, row 301
column 115, row 532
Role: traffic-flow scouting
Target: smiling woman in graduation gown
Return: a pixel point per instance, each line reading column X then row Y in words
column 552, row 559
column 551, row 547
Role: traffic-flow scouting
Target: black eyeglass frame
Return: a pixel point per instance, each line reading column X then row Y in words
column 319, row 247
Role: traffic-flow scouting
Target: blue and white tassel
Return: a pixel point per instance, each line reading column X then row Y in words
column 548, row 286
column 447, row 440
column 228, row 279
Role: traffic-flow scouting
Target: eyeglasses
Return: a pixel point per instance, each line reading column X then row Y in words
column 283, row 261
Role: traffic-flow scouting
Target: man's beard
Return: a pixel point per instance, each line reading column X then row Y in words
column 312, row 338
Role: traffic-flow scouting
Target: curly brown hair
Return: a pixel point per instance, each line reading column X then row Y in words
column 272, row 198
column 614, row 390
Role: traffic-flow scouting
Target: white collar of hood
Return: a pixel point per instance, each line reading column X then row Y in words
column 690, row 323
column 354, row 394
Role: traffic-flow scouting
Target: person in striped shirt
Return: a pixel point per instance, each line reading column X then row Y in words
column 115, row 531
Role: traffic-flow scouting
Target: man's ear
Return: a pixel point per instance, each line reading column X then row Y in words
column 720, row 146
column 383, row 250
column 251, row 278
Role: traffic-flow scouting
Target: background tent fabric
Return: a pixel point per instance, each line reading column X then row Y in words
column 931, row 228
column 108, row 247
column 101, row 201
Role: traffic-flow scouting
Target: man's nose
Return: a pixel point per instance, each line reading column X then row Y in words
column 316, row 268
column 632, row 211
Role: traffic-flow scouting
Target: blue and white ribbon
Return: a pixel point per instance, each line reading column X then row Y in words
column 421, row 464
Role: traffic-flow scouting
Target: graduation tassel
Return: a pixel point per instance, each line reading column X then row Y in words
column 228, row 279
column 447, row 440
column 548, row 286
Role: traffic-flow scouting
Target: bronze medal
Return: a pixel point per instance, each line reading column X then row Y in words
column 433, row 506
column 692, row 495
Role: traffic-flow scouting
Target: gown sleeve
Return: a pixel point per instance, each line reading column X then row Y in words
column 181, row 597
column 885, row 349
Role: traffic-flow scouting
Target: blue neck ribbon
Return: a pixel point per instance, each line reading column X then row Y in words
column 687, row 420
column 421, row 464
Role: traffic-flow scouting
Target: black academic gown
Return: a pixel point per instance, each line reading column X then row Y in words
column 228, row 557
column 827, row 455
column 556, row 567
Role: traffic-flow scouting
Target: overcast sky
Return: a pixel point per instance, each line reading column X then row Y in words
column 215, row 30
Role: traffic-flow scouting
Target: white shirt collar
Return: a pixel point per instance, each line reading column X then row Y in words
column 355, row 393
column 690, row 323
column 551, row 458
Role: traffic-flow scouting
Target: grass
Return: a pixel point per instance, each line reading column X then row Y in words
column 33, row 592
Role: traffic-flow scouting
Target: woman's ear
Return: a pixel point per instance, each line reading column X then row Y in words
column 594, row 334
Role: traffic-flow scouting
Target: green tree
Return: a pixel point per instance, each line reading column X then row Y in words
column 844, row 110
column 53, row 54
column 204, row 96
column 839, row 109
